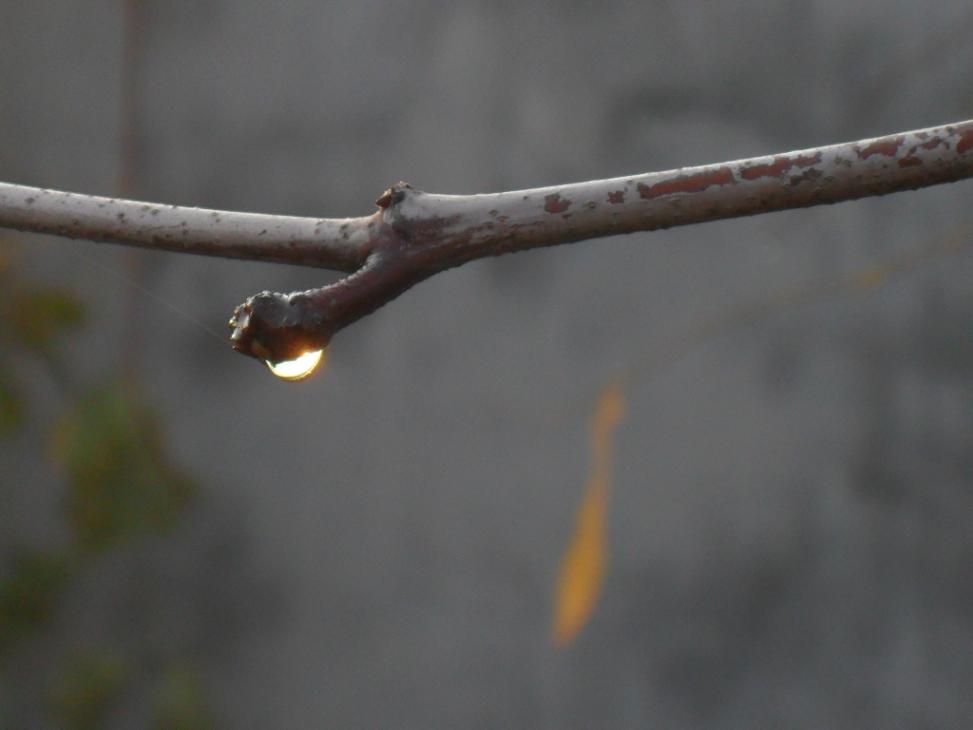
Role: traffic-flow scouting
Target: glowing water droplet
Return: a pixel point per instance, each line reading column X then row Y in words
column 298, row 368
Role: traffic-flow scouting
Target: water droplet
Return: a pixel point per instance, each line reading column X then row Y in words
column 298, row 368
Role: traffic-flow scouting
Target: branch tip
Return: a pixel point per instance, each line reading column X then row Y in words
column 278, row 327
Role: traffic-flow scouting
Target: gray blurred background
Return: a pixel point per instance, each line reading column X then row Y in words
column 378, row 546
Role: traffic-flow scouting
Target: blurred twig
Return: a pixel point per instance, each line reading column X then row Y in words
column 132, row 40
column 128, row 163
column 864, row 281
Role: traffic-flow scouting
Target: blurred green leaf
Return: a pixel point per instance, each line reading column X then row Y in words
column 36, row 316
column 181, row 702
column 88, row 690
column 30, row 588
column 9, row 248
column 11, row 404
column 121, row 483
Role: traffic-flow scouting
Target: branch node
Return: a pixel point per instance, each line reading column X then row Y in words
column 393, row 195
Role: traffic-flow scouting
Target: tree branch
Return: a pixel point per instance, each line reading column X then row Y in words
column 414, row 235
column 321, row 242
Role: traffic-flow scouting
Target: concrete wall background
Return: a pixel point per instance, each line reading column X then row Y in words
column 378, row 546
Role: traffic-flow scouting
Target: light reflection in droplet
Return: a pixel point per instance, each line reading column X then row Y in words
column 298, row 368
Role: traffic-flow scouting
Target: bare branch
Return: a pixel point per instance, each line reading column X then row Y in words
column 416, row 234
column 322, row 242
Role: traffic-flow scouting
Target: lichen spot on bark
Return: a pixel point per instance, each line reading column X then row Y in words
column 554, row 203
column 886, row 147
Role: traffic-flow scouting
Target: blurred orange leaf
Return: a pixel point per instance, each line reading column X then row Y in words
column 586, row 558
column 872, row 278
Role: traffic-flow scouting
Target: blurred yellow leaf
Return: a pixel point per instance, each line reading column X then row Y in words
column 584, row 562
